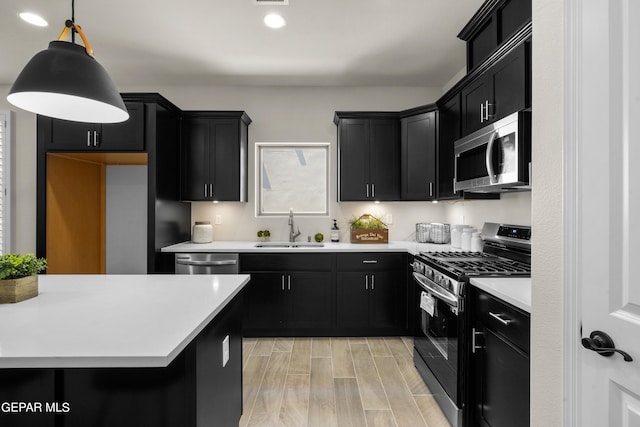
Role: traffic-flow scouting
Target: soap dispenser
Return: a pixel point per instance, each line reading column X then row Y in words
column 335, row 232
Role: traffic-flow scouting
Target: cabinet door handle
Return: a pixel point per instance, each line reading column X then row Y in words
column 505, row 322
column 486, row 110
column 373, row 190
column 481, row 113
column 205, row 191
column 369, row 261
column 211, row 190
column 88, row 138
column 367, row 191
column 283, row 282
column 366, row 282
column 430, row 189
column 373, row 282
column 289, row 282
column 474, row 334
column 95, row 138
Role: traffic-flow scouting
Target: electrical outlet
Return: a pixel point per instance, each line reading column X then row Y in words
column 388, row 218
column 218, row 219
column 225, row 351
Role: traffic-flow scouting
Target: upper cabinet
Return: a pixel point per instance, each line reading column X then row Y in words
column 214, row 156
column 418, row 138
column 368, row 156
column 497, row 92
column 496, row 22
column 66, row 135
column 449, row 131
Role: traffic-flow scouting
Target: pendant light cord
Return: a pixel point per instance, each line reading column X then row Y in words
column 73, row 19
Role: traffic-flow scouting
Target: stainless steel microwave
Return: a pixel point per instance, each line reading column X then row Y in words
column 496, row 158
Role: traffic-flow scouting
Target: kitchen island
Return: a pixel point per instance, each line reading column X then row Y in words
column 123, row 350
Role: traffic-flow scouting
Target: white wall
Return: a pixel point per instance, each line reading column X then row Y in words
column 126, row 219
column 547, row 210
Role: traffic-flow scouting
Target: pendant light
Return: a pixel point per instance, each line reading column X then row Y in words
column 66, row 82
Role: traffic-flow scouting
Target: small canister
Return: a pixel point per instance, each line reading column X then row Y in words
column 456, row 235
column 465, row 240
column 202, row 232
column 476, row 242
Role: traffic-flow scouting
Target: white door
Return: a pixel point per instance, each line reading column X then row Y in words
column 607, row 196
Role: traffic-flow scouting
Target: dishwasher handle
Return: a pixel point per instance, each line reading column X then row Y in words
column 207, row 263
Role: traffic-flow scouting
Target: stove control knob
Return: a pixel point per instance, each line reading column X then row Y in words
column 429, row 273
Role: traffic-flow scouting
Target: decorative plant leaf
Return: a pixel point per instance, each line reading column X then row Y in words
column 15, row 266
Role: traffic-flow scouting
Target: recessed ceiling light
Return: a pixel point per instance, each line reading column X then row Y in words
column 273, row 20
column 33, row 19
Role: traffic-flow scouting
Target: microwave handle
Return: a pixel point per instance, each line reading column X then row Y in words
column 488, row 161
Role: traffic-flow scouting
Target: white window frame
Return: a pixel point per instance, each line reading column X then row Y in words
column 7, row 118
column 260, row 212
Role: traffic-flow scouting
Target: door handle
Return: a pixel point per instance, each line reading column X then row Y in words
column 95, row 138
column 88, row 138
column 474, row 336
column 602, row 344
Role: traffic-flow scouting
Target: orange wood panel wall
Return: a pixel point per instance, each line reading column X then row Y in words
column 75, row 216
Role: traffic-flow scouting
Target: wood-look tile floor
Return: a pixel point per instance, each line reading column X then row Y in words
column 335, row 382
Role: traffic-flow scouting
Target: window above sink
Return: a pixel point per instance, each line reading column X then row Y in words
column 292, row 176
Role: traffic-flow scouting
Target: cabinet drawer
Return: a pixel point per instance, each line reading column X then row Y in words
column 371, row 261
column 285, row 262
column 511, row 323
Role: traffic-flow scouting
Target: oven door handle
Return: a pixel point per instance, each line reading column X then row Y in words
column 424, row 282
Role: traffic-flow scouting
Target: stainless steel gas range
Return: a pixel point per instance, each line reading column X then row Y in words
column 441, row 280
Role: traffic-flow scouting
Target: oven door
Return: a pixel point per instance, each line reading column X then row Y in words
column 438, row 336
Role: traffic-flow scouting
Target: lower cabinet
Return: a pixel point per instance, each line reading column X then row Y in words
column 287, row 301
column 500, row 372
column 325, row 294
column 289, row 294
column 372, row 293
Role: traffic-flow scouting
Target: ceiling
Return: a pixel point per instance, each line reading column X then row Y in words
column 224, row 42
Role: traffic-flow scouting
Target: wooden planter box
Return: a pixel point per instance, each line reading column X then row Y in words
column 16, row 290
column 368, row 235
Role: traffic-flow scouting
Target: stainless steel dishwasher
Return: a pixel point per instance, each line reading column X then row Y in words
column 207, row 263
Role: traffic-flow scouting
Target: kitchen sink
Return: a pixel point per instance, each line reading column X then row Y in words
column 289, row 245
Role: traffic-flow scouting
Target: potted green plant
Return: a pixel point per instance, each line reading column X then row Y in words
column 18, row 276
column 368, row 229
column 264, row 235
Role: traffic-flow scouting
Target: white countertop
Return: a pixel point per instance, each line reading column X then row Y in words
column 411, row 247
column 515, row 291
column 97, row 321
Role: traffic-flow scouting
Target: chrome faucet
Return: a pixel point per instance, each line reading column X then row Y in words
column 292, row 233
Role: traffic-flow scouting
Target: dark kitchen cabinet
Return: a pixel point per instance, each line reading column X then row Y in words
column 418, row 138
column 500, row 368
column 503, row 89
column 368, row 156
column 64, row 135
column 214, row 156
column 289, row 294
column 371, row 293
column 449, row 131
column 494, row 24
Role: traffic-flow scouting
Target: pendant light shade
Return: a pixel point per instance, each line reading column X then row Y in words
column 66, row 82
